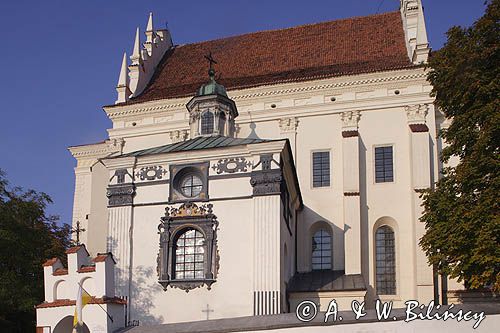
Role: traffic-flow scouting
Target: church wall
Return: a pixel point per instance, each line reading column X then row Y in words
column 146, row 141
column 393, row 199
column 323, row 203
column 82, row 199
column 251, row 239
column 234, row 278
column 311, row 120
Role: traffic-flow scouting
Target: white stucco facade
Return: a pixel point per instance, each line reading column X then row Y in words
column 264, row 238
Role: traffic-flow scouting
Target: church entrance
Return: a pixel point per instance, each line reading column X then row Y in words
column 66, row 326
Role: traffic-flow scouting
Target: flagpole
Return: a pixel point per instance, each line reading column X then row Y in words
column 109, row 316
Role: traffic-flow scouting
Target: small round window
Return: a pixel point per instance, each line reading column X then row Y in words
column 191, row 185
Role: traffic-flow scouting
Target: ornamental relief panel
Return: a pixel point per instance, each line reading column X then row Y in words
column 350, row 119
column 178, row 136
column 288, row 124
column 416, row 113
column 232, row 165
column 150, row 173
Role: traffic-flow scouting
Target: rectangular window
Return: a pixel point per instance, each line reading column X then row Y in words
column 384, row 164
column 321, row 169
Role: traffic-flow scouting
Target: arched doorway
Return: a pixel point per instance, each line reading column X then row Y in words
column 66, row 326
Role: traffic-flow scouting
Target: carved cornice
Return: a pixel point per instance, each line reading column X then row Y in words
column 266, row 182
column 120, row 195
column 114, row 112
column 98, row 150
column 332, row 85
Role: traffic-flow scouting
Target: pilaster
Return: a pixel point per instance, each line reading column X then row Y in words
column 421, row 179
column 266, row 180
column 352, row 214
column 120, row 193
column 87, row 156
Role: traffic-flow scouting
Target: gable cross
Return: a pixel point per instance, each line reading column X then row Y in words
column 208, row 310
column 77, row 231
column 210, row 60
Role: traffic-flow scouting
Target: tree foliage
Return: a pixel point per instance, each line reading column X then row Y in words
column 27, row 238
column 462, row 212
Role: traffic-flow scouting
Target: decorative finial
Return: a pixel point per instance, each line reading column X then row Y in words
column 211, row 70
column 123, row 79
column 136, row 52
column 150, row 22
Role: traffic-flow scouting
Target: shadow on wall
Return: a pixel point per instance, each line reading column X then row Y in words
column 315, row 221
column 365, row 230
column 253, row 133
column 144, row 290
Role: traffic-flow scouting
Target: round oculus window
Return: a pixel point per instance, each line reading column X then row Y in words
column 191, row 185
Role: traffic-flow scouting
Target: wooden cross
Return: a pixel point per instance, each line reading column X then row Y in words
column 208, row 310
column 77, row 231
column 210, row 60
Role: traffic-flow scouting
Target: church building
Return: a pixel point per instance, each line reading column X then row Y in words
column 246, row 174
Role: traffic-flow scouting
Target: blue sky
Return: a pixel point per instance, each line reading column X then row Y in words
column 60, row 61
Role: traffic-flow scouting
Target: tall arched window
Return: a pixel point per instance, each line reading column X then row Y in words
column 207, row 122
column 385, row 261
column 189, row 255
column 321, row 250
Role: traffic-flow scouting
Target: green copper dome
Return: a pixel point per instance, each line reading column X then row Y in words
column 212, row 87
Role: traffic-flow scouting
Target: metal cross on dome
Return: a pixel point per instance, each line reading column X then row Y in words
column 77, row 231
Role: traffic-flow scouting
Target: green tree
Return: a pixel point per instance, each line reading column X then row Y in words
column 462, row 212
column 27, row 238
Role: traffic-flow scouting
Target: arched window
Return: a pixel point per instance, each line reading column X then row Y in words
column 321, row 250
column 207, row 122
column 385, row 261
column 189, row 255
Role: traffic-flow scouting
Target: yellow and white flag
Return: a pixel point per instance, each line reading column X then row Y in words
column 81, row 300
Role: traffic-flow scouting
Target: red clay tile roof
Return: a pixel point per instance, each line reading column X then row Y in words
column 60, row 271
column 50, row 262
column 335, row 48
column 102, row 257
column 75, row 249
column 86, row 269
column 68, row 302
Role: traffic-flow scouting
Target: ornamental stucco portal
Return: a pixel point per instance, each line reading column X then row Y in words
column 240, row 169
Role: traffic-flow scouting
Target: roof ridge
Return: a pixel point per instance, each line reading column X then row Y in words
column 288, row 28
